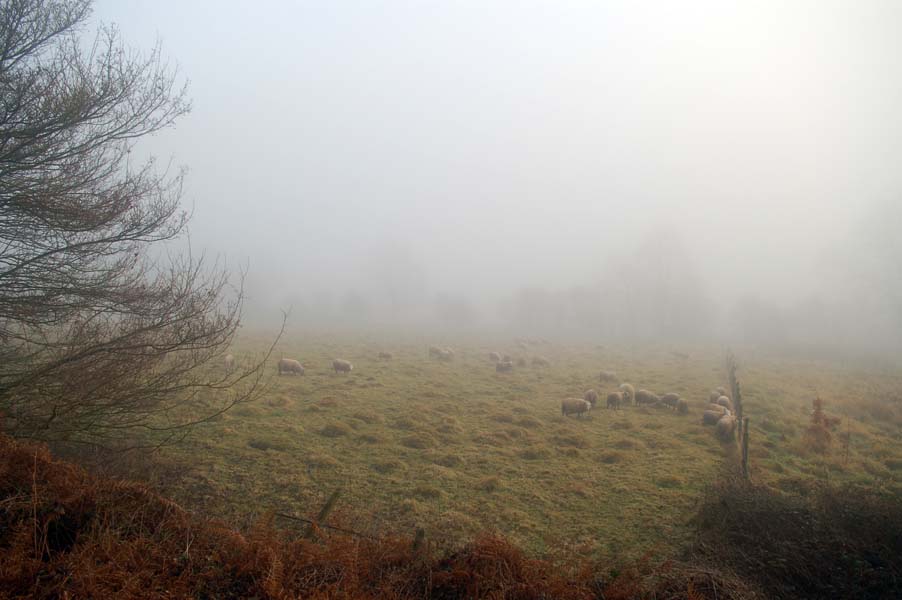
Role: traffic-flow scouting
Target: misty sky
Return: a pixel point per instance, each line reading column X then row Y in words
column 496, row 145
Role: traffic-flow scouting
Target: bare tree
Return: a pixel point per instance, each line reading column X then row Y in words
column 100, row 335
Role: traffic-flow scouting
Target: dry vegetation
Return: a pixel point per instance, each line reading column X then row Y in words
column 458, row 449
column 516, row 501
column 66, row 534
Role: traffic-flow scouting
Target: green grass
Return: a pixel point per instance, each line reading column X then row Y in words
column 457, row 448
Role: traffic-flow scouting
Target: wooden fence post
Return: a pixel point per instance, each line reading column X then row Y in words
column 323, row 513
column 418, row 540
column 745, row 448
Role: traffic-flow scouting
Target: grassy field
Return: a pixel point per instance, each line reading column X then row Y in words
column 456, row 448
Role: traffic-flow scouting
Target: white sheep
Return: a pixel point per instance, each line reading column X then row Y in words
column 725, row 402
column 711, row 417
column 289, row 365
column 504, row 366
column 629, row 393
column 575, row 406
column 670, row 400
column 726, row 427
column 607, row 376
column 646, row 397
column 342, row 366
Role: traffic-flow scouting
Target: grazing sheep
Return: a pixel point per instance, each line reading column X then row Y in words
column 229, row 362
column 386, row 355
column 606, row 376
column 615, row 399
column 435, row 352
column 711, row 417
column 725, row 402
column 646, row 397
column 629, row 393
column 342, row 366
column 591, row 396
column 670, row 400
column 541, row 361
column 494, row 357
column 719, row 408
column 682, row 407
column 446, row 354
column 726, row 427
column 504, row 366
column 713, row 396
column 722, row 390
column 289, row 365
column 575, row 406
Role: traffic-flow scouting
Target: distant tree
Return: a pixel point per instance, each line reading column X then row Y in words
column 818, row 435
column 99, row 335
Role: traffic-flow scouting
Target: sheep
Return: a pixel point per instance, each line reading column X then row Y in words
column 725, row 402
column 682, row 407
column 229, row 362
column 711, row 417
column 670, row 400
column 289, row 365
column 646, row 397
column 494, row 357
column 504, row 366
column 441, row 353
column 606, row 376
column 726, row 427
column 541, row 361
column 386, row 355
column 342, row 366
column 719, row 408
column 629, row 393
column 713, row 396
column 591, row 396
column 577, row 406
column 722, row 391
column 615, row 399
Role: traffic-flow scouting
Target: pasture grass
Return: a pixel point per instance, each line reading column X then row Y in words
column 457, row 449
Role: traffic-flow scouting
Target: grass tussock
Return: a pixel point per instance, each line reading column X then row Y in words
column 264, row 444
column 539, row 452
column 418, row 442
column 335, row 429
column 612, row 458
column 489, row 484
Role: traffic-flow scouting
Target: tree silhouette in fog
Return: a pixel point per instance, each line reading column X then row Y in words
column 99, row 333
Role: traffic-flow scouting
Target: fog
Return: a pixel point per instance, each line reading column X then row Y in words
column 648, row 170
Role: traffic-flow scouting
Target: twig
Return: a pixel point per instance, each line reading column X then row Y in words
column 312, row 522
